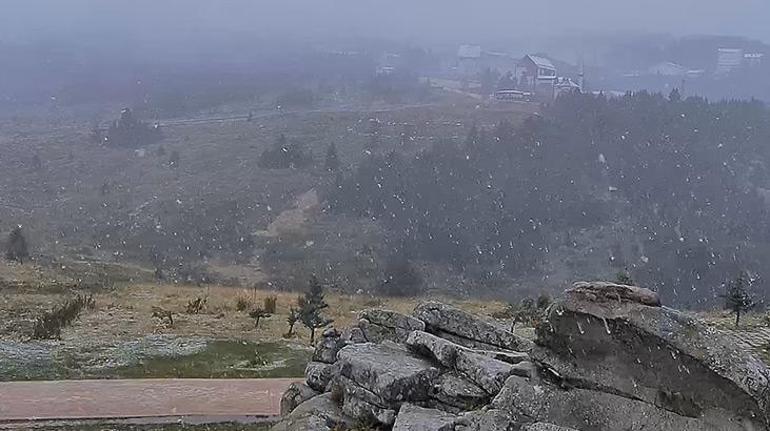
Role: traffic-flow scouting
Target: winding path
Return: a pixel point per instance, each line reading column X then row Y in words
column 141, row 398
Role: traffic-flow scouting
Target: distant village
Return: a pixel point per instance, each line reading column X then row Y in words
column 505, row 77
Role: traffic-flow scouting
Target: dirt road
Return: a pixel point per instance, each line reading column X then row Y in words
column 143, row 398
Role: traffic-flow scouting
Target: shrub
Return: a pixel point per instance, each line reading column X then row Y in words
column 292, row 319
column 242, row 303
column 257, row 314
column 285, row 154
column 16, row 248
column 269, row 304
column 50, row 324
column 163, row 314
column 623, row 277
column 195, row 306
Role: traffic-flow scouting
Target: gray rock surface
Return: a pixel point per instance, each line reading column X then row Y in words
column 593, row 410
column 353, row 335
column 542, row 426
column 415, row 418
column 655, row 354
column 608, row 357
column 488, row 373
column 296, row 394
column 455, row 390
column 319, row 374
column 392, row 319
column 364, row 405
column 318, row 414
column 487, row 420
column 602, row 291
column 390, row 372
column 328, row 346
column 452, row 320
column 378, row 325
column 431, row 346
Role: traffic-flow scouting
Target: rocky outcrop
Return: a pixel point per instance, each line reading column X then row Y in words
column 326, row 349
column 542, row 426
column 465, row 329
column 380, row 325
column 319, row 413
column 296, row 394
column 608, row 357
column 655, row 354
column 318, row 375
column 415, row 418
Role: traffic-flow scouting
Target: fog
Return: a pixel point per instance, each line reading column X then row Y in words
column 93, row 21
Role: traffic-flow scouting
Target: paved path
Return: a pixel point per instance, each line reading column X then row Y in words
column 103, row 399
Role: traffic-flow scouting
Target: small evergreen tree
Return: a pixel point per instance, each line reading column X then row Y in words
column 623, row 277
column 675, row 95
column 310, row 307
column 292, row 319
column 738, row 299
column 332, row 162
column 16, row 249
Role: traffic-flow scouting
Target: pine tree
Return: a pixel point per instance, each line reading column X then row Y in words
column 16, row 249
column 738, row 299
column 332, row 162
column 310, row 307
column 292, row 319
column 675, row 95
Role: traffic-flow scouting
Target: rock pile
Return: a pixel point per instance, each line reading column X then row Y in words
column 608, row 357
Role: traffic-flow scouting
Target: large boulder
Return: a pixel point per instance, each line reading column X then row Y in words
column 327, row 347
column 483, row 370
column 488, row 373
column 444, row 319
column 616, row 338
column 415, row 418
column 296, row 394
column 387, row 370
column 542, row 426
column 379, row 325
column 584, row 409
column 319, row 374
column 608, row 357
column 319, row 413
column 454, row 390
column 362, row 404
column 487, row 420
column 431, row 346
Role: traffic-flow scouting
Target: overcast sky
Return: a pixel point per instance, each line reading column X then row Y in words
column 415, row 20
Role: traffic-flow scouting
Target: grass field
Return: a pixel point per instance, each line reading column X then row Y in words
column 120, row 338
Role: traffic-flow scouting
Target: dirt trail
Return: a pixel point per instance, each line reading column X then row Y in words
column 141, row 398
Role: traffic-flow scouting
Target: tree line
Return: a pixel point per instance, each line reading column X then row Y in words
column 687, row 178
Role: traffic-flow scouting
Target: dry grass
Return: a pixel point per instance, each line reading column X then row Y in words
column 126, row 313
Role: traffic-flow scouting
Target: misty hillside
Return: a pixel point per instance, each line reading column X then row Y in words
column 672, row 191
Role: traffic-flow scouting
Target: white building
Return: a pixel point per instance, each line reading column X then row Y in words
column 728, row 59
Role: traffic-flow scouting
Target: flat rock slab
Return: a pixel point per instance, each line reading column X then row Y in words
column 414, row 418
column 141, row 398
column 597, row 411
column 656, row 354
column 390, row 372
column 443, row 317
